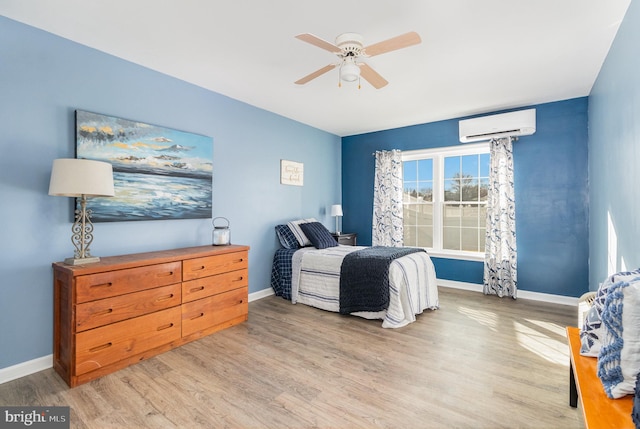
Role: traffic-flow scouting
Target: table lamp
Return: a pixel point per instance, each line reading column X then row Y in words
column 81, row 178
column 336, row 210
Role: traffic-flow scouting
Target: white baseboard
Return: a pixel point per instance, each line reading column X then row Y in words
column 25, row 368
column 29, row 367
column 522, row 294
column 261, row 294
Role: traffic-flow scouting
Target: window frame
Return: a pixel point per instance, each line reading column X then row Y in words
column 438, row 155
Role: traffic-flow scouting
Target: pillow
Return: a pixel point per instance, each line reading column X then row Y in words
column 619, row 357
column 319, row 236
column 294, row 225
column 286, row 237
column 592, row 332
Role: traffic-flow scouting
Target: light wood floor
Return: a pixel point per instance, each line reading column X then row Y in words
column 477, row 362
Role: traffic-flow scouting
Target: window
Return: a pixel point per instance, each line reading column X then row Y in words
column 445, row 198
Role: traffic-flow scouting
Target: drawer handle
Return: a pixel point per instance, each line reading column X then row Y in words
column 240, row 260
column 102, row 347
column 163, row 327
column 201, row 267
column 196, row 289
column 109, row 284
column 198, row 316
column 239, row 279
column 164, row 298
column 103, row 312
column 165, row 274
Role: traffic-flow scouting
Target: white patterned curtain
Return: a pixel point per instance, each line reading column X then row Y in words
column 500, row 265
column 387, row 199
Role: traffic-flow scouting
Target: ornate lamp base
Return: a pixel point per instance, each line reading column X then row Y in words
column 82, row 237
column 80, row 261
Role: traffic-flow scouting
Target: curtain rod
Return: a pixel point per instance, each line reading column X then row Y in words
column 513, row 139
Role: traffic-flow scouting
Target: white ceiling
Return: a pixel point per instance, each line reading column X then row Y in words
column 476, row 56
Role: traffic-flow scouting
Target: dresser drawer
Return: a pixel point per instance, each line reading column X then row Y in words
column 104, row 285
column 108, row 344
column 214, row 310
column 109, row 310
column 207, row 286
column 210, row 265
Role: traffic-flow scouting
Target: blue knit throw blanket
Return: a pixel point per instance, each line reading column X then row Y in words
column 364, row 278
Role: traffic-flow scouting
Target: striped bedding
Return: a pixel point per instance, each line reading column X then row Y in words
column 315, row 281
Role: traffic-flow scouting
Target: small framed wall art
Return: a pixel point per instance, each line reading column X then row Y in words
column 291, row 173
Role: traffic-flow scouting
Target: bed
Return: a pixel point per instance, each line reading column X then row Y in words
column 308, row 271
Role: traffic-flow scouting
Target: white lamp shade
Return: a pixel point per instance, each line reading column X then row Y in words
column 72, row 177
column 336, row 210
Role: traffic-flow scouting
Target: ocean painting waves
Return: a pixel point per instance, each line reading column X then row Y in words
column 159, row 173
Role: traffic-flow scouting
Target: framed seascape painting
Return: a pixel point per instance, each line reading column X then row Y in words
column 158, row 173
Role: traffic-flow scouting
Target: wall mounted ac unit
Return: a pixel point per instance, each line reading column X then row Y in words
column 519, row 123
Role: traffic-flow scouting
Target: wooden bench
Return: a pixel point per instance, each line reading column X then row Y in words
column 598, row 409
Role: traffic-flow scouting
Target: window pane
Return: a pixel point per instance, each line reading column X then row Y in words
column 425, row 191
column 410, row 194
column 470, row 190
column 424, row 215
column 425, row 169
column 410, row 171
column 469, row 216
column 451, row 215
column 470, row 165
column 409, row 214
column 451, row 238
column 482, row 215
column 418, row 225
column 425, row 237
column 484, row 189
column 484, row 165
column 469, row 238
column 452, row 190
column 409, row 236
column 451, row 167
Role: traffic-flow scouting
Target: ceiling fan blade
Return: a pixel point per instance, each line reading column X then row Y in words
column 404, row 40
column 315, row 74
column 372, row 76
column 316, row 41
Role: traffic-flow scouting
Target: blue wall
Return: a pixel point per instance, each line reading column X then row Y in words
column 614, row 155
column 551, row 195
column 43, row 79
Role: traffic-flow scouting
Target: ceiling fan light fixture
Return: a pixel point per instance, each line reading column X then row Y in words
column 349, row 49
column 349, row 72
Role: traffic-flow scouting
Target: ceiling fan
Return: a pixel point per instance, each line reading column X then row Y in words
column 349, row 49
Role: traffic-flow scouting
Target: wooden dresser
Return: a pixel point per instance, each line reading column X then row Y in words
column 124, row 309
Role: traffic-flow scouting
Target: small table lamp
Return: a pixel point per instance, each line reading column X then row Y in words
column 336, row 210
column 81, row 178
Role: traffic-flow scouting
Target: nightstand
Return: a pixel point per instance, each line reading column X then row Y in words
column 348, row 239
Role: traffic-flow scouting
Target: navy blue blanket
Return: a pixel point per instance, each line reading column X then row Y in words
column 364, row 278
